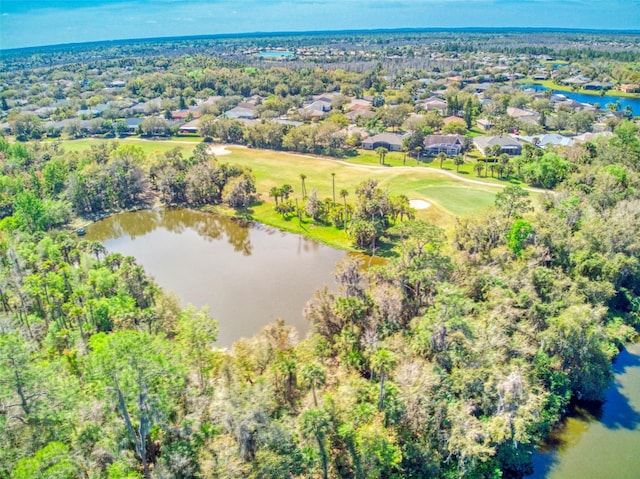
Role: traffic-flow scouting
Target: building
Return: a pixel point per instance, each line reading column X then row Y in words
column 545, row 140
column 448, row 144
column 508, row 145
column 390, row 141
column 485, row 123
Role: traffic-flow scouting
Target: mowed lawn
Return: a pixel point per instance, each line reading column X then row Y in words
column 449, row 197
column 148, row 146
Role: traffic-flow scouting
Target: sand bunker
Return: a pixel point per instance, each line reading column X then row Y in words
column 419, row 204
column 218, row 150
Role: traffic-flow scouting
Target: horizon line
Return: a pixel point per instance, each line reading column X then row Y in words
column 293, row 33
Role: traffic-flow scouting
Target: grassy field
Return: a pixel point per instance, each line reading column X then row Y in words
column 148, row 146
column 449, row 197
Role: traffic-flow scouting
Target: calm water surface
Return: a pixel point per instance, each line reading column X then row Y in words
column 600, row 443
column 603, row 100
column 249, row 276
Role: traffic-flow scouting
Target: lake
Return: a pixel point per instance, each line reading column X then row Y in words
column 634, row 103
column 248, row 276
column 600, row 441
column 275, row 54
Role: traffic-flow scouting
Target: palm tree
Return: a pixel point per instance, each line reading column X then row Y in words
column 441, row 157
column 418, row 150
column 304, row 187
column 285, row 191
column 315, row 423
column 333, row 186
column 274, row 192
column 458, row 160
column 382, row 362
column 344, row 193
column 312, row 374
column 382, row 153
column 478, row 167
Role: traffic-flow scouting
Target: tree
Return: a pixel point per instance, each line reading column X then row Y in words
column 382, row 153
column 143, row 376
column 380, row 455
column 197, row 332
column 363, row 233
column 303, row 185
column 52, row 461
column 313, row 206
column 239, row 192
column 154, row 126
column 333, row 186
column 441, row 158
column 458, row 160
column 454, row 128
column 314, row 423
column 479, row 166
column 274, row 193
column 382, row 362
column 518, row 233
column 513, row 201
column 313, row 375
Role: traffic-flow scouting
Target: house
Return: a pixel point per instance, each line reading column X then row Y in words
column 356, row 113
column 630, row 87
column 358, row 104
column 448, row 144
column 240, row 113
column 595, row 85
column 509, row 145
column 184, row 114
column 190, row 127
column 485, row 123
column 133, row 124
column 540, row 76
column 453, row 119
column 321, row 105
column 523, row 115
column 589, row 136
column 390, row 141
column 93, row 112
column 576, row 80
column 543, row 141
column 287, row 122
column 434, row 104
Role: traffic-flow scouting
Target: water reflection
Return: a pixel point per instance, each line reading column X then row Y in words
column 599, row 439
column 249, row 276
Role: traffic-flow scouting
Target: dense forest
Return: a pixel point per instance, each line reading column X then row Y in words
column 452, row 360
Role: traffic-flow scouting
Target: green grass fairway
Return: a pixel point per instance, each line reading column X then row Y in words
column 148, row 146
column 450, row 196
column 454, row 196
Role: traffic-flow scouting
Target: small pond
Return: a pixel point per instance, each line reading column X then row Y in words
column 247, row 275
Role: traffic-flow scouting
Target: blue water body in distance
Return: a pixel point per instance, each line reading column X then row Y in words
column 634, row 103
column 275, row 54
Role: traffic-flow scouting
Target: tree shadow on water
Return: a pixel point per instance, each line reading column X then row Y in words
column 618, row 412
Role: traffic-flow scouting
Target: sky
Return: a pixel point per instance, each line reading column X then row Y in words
column 26, row 23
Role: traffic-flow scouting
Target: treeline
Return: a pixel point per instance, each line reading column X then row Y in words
column 42, row 187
